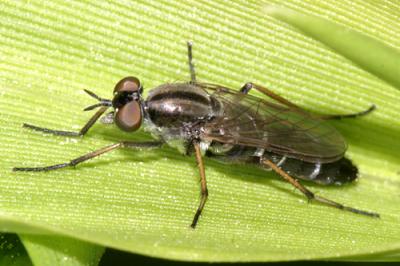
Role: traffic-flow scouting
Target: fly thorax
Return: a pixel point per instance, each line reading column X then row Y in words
column 177, row 112
column 171, row 105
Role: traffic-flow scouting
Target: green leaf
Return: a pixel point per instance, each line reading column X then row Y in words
column 55, row 250
column 144, row 201
column 370, row 53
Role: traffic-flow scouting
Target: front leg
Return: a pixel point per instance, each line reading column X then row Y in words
column 81, row 132
column 91, row 155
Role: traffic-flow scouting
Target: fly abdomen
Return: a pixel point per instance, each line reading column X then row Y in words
column 338, row 172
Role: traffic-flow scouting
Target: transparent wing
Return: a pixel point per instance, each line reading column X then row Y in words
column 265, row 123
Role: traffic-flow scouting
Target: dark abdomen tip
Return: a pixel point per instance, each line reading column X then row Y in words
column 338, row 173
column 347, row 170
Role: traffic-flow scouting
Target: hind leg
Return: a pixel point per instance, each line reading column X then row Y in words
column 310, row 195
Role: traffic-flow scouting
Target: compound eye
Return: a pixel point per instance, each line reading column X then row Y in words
column 129, row 116
column 128, row 84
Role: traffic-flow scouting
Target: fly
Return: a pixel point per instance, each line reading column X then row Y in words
column 214, row 121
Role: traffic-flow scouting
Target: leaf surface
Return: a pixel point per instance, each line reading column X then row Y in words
column 144, row 201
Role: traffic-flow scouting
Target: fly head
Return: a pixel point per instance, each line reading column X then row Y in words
column 127, row 104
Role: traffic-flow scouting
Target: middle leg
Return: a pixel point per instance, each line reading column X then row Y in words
column 203, row 182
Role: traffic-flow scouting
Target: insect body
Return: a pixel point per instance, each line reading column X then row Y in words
column 212, row 120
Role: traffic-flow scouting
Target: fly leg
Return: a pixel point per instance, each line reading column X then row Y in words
column 203, row 182
column 353, row 115
column 310, row 195
column 88, row 156
column 81, row 132
column 191, row 65
column 248, row 86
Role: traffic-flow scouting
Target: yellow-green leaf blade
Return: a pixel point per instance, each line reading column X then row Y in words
column 144, row 201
